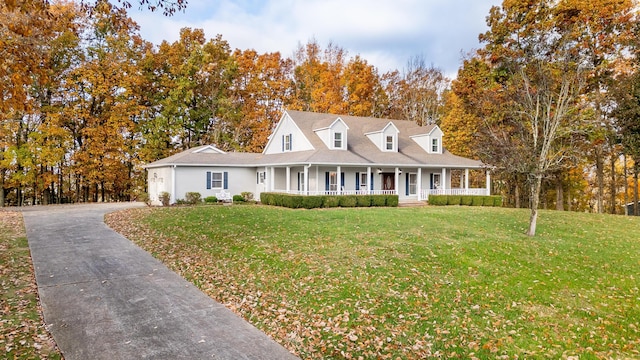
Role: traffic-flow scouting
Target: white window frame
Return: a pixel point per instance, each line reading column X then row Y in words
column 333, row 181
column 214, row 174
column 363, row 180
column 338, row 140
column 435, row 145
column 287, row 142
column 389, row 145
column 302, row 183
column 413, row 184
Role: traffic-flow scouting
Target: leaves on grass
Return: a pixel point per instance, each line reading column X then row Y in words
column 409, row 283
column 22, row 331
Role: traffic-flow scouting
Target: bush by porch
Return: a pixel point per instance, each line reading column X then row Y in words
column 327, row 201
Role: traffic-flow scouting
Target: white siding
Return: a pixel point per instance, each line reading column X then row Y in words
column 194, row 179
column 286, row 126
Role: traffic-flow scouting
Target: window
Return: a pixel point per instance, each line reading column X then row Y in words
column 337, row 140
column 301, row 181
column 413, row 184
column 389, row 142
column 434, row 146
column 216, row 180
column 363, row 181
column 287, row 143
column 333, row 181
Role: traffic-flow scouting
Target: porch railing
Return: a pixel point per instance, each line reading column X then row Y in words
column 424, row 195
column 336, row 192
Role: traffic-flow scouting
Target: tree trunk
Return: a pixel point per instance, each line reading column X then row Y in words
column 600, row 181
column 613, row 187
column 636, row 168
column 559, row 193
column 517, row 194
column 2, row 188
column 626, row 184
column 534, row 199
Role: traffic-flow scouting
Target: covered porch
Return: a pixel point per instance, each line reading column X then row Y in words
column 409, row 183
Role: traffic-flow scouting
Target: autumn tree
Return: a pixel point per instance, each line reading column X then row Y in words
column 543, row 75
column 416, row 93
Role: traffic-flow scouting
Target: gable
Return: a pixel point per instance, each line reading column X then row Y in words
column 208, row 149
column 287, row 137
column 430, row 142
column 385, row 139
column 334, row 136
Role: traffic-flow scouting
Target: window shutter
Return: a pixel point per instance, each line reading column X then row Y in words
column 342, row 180
column 326, row 183
column 357, row 181
column 371, row 186
column 432, row 181
column 208, row 180
column 406, row 186
column 282, row 143
column 257, row 178
column 299, row 181
column 226, row 180
column 290, row 142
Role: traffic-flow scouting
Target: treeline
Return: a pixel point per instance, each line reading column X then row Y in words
column 86, row 101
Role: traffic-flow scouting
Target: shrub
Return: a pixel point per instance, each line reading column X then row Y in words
column 363, row 200
column 392, row 200
column 144, row 197
column 478, row 201
column 193, row 198
column 497, row 200
column 181, row 202
column 238, row 198
column 247, row 195
column 348, row 201
column 210, row 200
column 453, row 200
column 466, row 200
column 331, row 201
column 312, row 202
column 165, row 198
column 378, row 200
column 437, row 200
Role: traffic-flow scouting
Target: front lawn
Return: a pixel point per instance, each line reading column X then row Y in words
column 411, row 282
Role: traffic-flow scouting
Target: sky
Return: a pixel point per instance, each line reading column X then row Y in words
column 386, row 33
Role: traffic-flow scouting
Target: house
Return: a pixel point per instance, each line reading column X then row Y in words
column 314, row 153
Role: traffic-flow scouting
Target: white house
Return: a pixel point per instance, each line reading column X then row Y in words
column 313, row 153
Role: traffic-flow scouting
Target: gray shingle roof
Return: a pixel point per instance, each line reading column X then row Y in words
column 360, row 150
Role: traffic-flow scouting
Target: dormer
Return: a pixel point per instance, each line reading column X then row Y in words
column 334, row 136
column 385, row 139
column 431, row 142
column 287, row 137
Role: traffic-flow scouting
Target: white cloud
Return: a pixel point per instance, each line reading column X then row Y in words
column 385, row 33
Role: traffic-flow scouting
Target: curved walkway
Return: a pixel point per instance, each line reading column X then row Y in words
column 105, row 298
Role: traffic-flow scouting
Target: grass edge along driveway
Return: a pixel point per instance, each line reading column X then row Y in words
column 22, row 331
column 410, row 282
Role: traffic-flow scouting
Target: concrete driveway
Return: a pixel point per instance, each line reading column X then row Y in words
column 105, row 298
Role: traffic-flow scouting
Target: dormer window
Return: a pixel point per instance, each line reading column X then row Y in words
column 389, row 143
column 337, row 140
column 435, row 146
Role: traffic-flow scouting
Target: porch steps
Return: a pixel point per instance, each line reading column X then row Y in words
column 412, row 203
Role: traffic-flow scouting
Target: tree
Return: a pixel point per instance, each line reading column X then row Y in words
column 543, row 76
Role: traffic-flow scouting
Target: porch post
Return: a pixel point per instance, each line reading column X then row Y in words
column 339, row 180
column 443, row 184
column 419, row 184
column 397, row 181
column 287, row 185
column 272, row 180
column 466, row 179
column 368, row 180
column 488, row 182
column 306, row 179
column 317, row 184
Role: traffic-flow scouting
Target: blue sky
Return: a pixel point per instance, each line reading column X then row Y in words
column 386, row 33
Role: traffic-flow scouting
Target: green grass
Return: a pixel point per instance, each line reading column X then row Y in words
column 411, row 282
column 22, row 331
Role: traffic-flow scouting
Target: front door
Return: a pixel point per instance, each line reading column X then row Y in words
column 388, row 181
